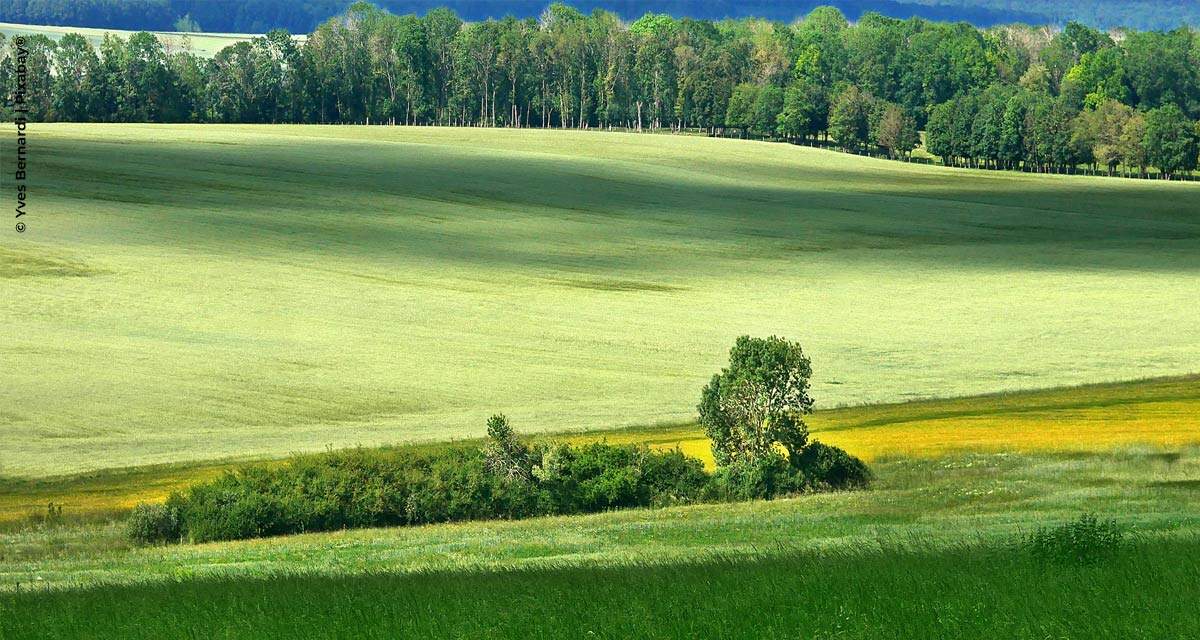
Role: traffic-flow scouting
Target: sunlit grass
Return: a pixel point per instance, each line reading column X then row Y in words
column 207, row 292
column 938, row 525
column 1163, row 414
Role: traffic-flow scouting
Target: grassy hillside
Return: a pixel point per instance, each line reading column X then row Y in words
column 1095, row 418
column 203, row 292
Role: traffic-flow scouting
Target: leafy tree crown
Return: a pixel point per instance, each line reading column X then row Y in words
column 759, row 401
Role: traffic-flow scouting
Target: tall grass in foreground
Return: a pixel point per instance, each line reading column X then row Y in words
column 1144, row 591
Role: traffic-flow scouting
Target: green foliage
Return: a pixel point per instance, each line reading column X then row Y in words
column 758, row 402
column 1085, row 540
column 768, row 104
column 504, row 454
column 896, row 131
column 366, row 488
column 153, row 524
column 355, row 488
column 849, row 118
column 503, row 479
column 758, row 478
column 600, row 477
column 1048, row 135
column 740, row 112
column 747, row 78
column 1103, row 127
column 1170, row 140
column 1099, row 76
column 828, row 467
column 805, row 110
column 816, row 467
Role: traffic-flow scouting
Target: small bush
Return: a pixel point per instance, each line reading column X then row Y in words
column 1085, row 540
column 829, row 467
column 153, row 524
column 760, row 479
column 600, row 477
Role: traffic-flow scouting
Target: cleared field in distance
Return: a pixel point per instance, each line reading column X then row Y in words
column 205, row 45
column 201, row 292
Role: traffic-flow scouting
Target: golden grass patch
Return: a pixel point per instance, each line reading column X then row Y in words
column 1094, row 418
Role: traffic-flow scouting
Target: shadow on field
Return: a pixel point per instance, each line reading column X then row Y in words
column 482, row 206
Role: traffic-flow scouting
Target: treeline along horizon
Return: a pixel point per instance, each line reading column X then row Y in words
column 259, row 16
column 1004, row 97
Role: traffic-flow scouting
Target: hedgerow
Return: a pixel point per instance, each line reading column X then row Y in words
column 505, row 479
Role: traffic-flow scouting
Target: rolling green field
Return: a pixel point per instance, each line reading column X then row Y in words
column 923, row 505
column 202, row 292
column 189, row 298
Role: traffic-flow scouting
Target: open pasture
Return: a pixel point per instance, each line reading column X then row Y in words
column 189, row 293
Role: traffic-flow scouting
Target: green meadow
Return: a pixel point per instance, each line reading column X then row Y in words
column 188, row 293
column 189, row 299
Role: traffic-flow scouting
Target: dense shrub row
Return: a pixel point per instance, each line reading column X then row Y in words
column 504, row 479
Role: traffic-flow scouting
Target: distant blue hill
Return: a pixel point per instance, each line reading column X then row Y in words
column 301, row 16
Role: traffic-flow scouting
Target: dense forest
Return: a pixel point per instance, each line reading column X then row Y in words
column 1011, row 97
column 260, row 16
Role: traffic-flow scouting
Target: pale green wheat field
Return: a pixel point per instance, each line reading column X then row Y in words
column 193, row 292
column 205, row 45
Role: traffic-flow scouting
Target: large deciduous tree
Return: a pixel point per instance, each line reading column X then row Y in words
column 850, row 118
column 897, row 132
column 1170, row 141
column 757, row 404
